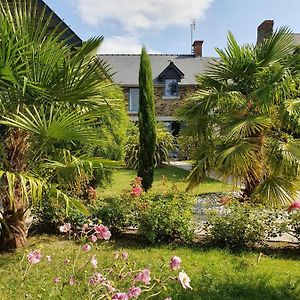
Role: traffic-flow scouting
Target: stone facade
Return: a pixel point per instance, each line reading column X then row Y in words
column 164, row 107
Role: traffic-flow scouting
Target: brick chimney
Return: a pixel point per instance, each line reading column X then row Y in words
column 197, row 48
column 264, row 30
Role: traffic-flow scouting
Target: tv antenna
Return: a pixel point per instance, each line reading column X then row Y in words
column 193, row 28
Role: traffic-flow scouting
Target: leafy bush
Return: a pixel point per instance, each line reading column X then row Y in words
column 294, row 222
column 164, row 218
column 164, row 145
column 118, row 212
column 241, row 225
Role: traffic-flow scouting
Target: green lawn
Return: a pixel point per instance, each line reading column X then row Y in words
column 215, row 274
column 165, row 178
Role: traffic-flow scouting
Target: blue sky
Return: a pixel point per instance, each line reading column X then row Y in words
column 163, row 25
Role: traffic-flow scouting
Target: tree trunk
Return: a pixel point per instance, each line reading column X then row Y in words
column 15, row 232
column 255, row 175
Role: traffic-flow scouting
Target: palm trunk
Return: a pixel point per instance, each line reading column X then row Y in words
column 255, row 175
column 16, row 146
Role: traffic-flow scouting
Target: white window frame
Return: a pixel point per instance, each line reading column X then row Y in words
column 167, row 81
column 130, row 100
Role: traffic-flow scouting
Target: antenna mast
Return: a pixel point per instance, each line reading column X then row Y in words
column 193, row 28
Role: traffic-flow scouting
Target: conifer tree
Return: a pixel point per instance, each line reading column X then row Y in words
column 147, row 123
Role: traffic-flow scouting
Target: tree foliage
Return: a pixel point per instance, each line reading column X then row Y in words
column 244, row 118
column 147, row 123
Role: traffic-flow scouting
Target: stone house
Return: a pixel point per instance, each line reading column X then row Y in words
column 174, row 77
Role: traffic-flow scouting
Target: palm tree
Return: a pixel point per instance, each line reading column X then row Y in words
column 244, row 118
column 50, row 92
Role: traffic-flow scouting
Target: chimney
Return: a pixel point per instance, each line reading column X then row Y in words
column 197, row 48
column 264, row 30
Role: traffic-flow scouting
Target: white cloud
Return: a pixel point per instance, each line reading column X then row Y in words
column 122, row 44
column 135, row 15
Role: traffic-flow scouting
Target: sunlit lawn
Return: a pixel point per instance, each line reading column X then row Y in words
column 215, row 274
column 165, row 178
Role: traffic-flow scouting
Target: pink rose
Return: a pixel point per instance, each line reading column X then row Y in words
column 102, row 232
column 134, row 292
column 86, row 248
column 185, row 280
column 294, row 205
column 119, row 296
column 34, row 257
column 143, row 276
column 136, row 191
column 175, row 263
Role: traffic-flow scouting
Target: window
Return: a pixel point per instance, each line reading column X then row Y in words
column 171, row 88
column 134, row 100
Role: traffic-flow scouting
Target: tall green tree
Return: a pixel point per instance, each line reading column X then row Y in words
column 50, row 93
column 245, row 119
column 147, row 123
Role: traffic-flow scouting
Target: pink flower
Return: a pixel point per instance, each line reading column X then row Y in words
column 102, row 232
column 72, row 280
column 93, row 239
column 119, row 296
column 56, row 280
column 97, row 278
column 125, row 255
column 65, row 228
column 86, row 248
column 94, row 262
column 49, row 258
column 136, row 191
column 108, row 285
column 294, row 205
column 134, row 292
column 34, row 257
column 175, row 263
column 185, row 280
column 143, row 276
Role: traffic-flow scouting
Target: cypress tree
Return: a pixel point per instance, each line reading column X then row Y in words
column 147, row 123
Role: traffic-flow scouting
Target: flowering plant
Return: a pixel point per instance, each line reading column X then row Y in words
column 82, row 276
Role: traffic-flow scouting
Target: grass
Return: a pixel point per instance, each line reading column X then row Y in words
column 164, row 178
column 215, row 274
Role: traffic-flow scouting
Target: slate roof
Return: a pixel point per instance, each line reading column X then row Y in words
column 126, row 66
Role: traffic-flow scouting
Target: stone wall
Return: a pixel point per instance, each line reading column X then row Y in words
column 164, row 107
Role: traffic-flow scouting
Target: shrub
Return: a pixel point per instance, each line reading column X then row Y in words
column 164, row 218
column 241, row 225
column 164, row 145
column 294, row 222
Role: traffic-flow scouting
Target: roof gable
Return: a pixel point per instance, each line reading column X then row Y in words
column 170, row 72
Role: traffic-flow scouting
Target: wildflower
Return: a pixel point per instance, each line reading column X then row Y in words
column 72, row 280
column 108, row 285
column 56, row 280
column 185, row 280
column 294, row 205
column 117, row 255
column 86, row 248
column 67, row 261
column 34, row 257
column 65, row 228
column 93, row 239
column 102, row 232
column 136, row 191
column 143, row 276
column 94, row 261
column 125, row 255
column 49, row 258
column 175, row 263
column 97, row 278
column 119, row 296
column 134, row 292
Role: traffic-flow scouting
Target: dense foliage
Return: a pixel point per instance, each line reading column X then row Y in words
column 164, row 146
column 147, row 122
column 244, row 119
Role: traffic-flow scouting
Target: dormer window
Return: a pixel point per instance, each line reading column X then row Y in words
column 170, row 77
column 171, row 88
